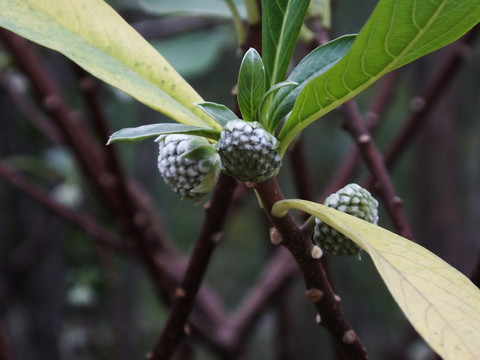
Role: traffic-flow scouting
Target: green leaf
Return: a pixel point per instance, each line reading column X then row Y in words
column 313, row 65
column 282, row 20
column 398, row 32
column 220, row 113
column 216, row 8
column 93, row 35
column 251, row 84
column 267, row 99
column 440, row 302
column 143, row 132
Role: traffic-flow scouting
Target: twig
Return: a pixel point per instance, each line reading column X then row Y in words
column 277, row 275
column 82, row 221
column 29, row 109
column 319, row 291
column 345, row 170
column 355, row 125
column 303, row 181
column 426, row 101
column 132, row 208
column 176, row 326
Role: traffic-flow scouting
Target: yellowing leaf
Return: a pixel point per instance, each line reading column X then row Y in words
column 440, row 302
column 93, row 35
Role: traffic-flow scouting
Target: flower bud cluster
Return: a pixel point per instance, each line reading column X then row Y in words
column 353, row 200
column 188, row 164
column 248, row 152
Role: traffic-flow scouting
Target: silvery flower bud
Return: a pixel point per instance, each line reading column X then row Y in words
column 188, row 164
column 248, row 152
column 353, row 200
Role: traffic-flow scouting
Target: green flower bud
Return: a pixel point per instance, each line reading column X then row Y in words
column 248, row 152
column 353, row 200
column 188, row 164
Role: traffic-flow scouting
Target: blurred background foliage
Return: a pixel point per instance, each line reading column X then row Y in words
column 63, row 297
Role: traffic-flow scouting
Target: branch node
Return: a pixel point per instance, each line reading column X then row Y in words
column 417, row 103
column 180, row 293
column 318, row 319
column 188, row 330
column 275, row 236
column 51, row 102
column 371, row 117
column 349, row 337
column 314, row 295
column 250, row 184
column 317, row 253
column 217, row 237
column 397, row 201
column 364, row 139
column 337, row 298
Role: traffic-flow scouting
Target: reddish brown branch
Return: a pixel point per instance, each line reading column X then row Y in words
column 176, row 326
column 277, row 275
column 82, row 221
column 426, row 101
column 372, row 156
column 319, row 290
column 129, row 204
column 303, row 181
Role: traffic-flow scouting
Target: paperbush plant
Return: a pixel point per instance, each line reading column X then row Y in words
column 276, row 105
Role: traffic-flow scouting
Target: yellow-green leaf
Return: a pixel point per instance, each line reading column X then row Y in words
column 440, row 302
column 93, row 35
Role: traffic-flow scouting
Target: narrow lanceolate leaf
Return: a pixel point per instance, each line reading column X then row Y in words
column 440, row 302
column 251, row 84
column 398, row 32
column 93, row 35
column 145, row 131
column 220, row 113
column 281, row 23
column 313, row 65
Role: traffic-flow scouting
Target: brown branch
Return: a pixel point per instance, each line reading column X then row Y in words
column 82, row 221
column 426, row 101
column 176, row 326
column 303, row 181
column 346, row 169
column 319, row 291
column 372, row 156
column 31, row 111
column 276, row 276
column 129, row 204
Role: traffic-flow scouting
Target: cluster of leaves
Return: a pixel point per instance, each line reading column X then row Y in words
column 442, row 304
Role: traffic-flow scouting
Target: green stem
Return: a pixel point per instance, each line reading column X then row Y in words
column 237, row 23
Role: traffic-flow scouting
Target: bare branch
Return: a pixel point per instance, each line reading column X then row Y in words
column 384, row 186
column 313, row 274
column 176, row 327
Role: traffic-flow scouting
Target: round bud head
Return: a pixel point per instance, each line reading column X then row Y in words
column 188, row 164
column 353, row 200
column 248, row 152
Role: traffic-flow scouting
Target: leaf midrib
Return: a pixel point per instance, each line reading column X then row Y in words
column 273, row 79
column 305, row 122
column 112, row 58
